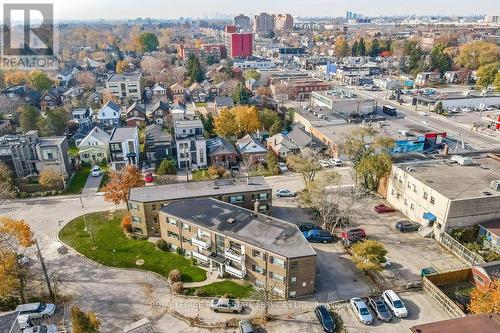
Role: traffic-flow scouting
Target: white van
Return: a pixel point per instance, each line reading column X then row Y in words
column 395, row 304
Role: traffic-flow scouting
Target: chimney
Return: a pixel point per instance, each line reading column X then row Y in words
column 256, row 207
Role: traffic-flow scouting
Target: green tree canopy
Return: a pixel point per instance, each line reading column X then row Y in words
column 252, row 74
column 167, row 167
column 148, row 42
column 40, row 81
column 369, row 254
column 240, row 94
column 28, row 118
column 439, row 59
column 486, row 74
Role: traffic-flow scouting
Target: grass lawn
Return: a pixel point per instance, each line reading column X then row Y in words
column 78, row 182
column 232, row 288
column 108, row 236
column 73, row 151
column 105, row 177
column 200, row 104
column 199, row 175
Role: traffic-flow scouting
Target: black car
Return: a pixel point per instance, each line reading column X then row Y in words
column 306, row 226
column 325, row 319
column 351, row 240
column 380, row 309
column 407, row 226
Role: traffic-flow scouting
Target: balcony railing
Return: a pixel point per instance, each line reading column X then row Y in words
column 202, row 241
column 239, row 273
column 200, row 257
column 234, row 255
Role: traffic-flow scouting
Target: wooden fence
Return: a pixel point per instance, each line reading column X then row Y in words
column 450, row 277
column 463, row 253
column 448, row 305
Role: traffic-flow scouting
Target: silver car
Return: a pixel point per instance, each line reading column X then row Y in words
column 226, row 305
column 361, row 311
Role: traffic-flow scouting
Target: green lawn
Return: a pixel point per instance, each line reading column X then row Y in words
column 108, row 236
column 78, row 182
column 232, row 288
column 201, row 104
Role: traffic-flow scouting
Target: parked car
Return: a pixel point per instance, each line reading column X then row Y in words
column 335, row 161
column 325, row 319
column 379, row 308
column 361, row 311
column 407, row 226
column 306, row 226
column 285, row 193
column 226, row 305
column 318, row 236
column 382, row 209
column 466, row 109
column 96, row 171
column 351, row 240
column 385, row 262
column 353, row 232
column 30, row 311
column 282, row 166
column 246, row 326
column 324, row 163
column 41, row 329
column 395, row 303
column 148, row 178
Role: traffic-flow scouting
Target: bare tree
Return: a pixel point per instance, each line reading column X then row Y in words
column 87, row 80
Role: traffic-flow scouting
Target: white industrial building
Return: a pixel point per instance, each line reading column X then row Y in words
column 343, row 102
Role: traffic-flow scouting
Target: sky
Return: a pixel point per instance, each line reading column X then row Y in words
column 117, row 9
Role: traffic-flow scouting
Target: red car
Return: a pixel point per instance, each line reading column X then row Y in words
column 381, row 209
column 357, row 232
column 149, row 177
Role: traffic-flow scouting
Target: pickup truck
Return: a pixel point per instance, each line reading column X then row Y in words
column 317, row 236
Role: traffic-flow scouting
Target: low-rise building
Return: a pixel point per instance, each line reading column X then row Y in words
column 144, row 203
column 127, row 85
column 232, row 240
column 136, row 115
column 94, row 148
column 251, row 150
column 178, row 93
column 343, row 102
column 253, row 63
column 221, row 153
column 124, row 147
column 191, row 144
column 484, row 323
column 109, row 115
column 158, row 144
column 298, row 87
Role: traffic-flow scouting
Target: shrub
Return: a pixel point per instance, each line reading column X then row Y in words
column 82, row 322
column 126, row 224
column 179, row 251
column 200, row 292
column 174, row 276
column 24, row 195
column 162, row 244
column 177, row 287
column 166, row 167
column 9, row 303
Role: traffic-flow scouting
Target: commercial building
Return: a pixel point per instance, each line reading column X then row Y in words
column 447, row 194
column 125, row 85
column 263, row 23
column 298, row 87
column 242, row 243
column 240, row 45
column 343, row 102
column 242, row 22
column 253, row 63
column 144, row 203
column 283, row 22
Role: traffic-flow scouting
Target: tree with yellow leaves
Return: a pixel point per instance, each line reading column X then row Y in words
column 122, row 66
column 116, row 191
column 247, row 118
column 486, row 300
column 225, row 123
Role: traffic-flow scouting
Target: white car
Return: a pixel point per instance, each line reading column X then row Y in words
column 285, row 193
column 30, row 311
column 282, row 166
column 335, row 161
column 324, row 164
column 395, row 304
column 226, row 305
column 41, row 329
column 96, row 171
column 465, row 110
column 361, row 311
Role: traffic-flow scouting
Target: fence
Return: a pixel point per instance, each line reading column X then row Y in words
column 450, row 277
column 448, row 305
column 459, row 250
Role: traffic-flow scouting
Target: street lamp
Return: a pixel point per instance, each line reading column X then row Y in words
column 114, row 257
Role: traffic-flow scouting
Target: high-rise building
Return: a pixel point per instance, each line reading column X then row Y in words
column 240, row 45
column 263, row 23
column 348, row 15
column 283, row 22
column 242, row 22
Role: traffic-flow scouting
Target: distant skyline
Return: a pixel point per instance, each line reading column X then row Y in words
column 121, row 9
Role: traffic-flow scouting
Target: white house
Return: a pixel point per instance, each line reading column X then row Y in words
column 124, row 147
column 191, row 144
column 109, row 115
column 95, row 146
column 159, row 90
column 66, row 75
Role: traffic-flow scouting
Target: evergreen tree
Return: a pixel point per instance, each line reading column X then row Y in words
column 361, row 49
column 354, row 49
column 375, row 48
column 240, row 94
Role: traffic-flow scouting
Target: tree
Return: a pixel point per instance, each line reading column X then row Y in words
column 375, row 48
column 15, row 77
column 175, row 276
column 225, row 123
column 122, row 66
column 369, row 254
column 341, row 47
column 496, row 83
column 126, row 223
column 476, row 54
column 87, row 80
column 116, row 191
column 107, row 96
column 264, row 91
column 40, row 81
column 50, row 178
column 194, row 69
column 486, row 74
column 148, row 42
column 361, row 49
column 28, row 118
column 252, row 74
column 247, row 118
column 306, row 163
column 82, row 322
column 6, row 183
column 240, row 94
column 268, row 118
column 167, row 167
column 208, row 123
column 216, row 172
column 354, row 48
column 272, row 163
column 54, row 123
column 440, row 60
column 486, row 300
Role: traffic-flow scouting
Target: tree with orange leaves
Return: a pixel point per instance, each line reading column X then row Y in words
column 486, row 300
column 15, row 238
column 116, row 191
column 126, row 224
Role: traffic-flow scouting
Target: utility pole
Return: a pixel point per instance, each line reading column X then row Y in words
column 44, row 269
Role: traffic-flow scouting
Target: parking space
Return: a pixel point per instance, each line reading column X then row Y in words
column 421, row 310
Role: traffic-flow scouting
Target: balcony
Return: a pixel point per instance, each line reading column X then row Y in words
column 200, row 257
column 202, row 241
column 239, row 273
column 234, row 255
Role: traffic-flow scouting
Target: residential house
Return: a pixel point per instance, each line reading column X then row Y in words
column 180, row 112
column 242, row 243
column 23, row 92
column 282, row 145
column 94, row 148
column 178, row 93
column 126, row 85
column 124, row 147
column 489, row 232
column 135, row 115
column 191, row 144
column 304, row 139
column 197, row 93
column 52, row 98
column 158, row 144
column 109, row 115
column 83, row 117
column 28, row 154
column 483, row 275
column 263, row 102
column 426, row 77
column 159, row 91
column 159, row 113
column 221, row 153
column 5, row 126
column 144, row 203
column 65, row 76
column 223, row 102
column 251, row 150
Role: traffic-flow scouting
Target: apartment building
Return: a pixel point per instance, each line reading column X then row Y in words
column 242, row 22
column 299, row 88
column 144, row 203
column 125, row 85
column 191, row 144
column 241, row 243
column 283, row 22
column 124, row 147
column 263, row 23
column 446, row 194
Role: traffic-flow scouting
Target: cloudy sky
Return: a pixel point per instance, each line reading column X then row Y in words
column 113, row 9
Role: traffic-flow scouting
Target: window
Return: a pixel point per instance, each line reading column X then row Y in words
column 133, row 206
column 131, row 147
column 278, row 291
column 294, row 264
column 49, row 154
column 257, row 254
column 292, row 294
column 136, row 219
column 433, row 200
column 293, row 280
column 406, row 202
column 186, row 240
column 277, row 262
column 172, row 221
column 412, row 206
column 258, row 269
column 478, row 279
column 173, row 235
column 408, row 185
column 202, row 156
column 236, row 198
column 186, row 227
column 276, row 277
column 153, row 207
column 116, row 146
column 426, row 195
column 263, row 196
column 392, row 192
column 414, row 188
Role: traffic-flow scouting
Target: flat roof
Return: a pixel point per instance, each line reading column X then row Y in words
column 265, row 232
column 122, row 134
column 125, row 77
column 484, row 323
column 197, row 189
column 455, row 181
column 342, row 94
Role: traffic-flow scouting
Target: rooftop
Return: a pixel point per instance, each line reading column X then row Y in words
column 455, row 181
column 197, row 189
column 341, row 94
column 123, row 133
column 276, row 236
column 125, row 77
column 484, row 323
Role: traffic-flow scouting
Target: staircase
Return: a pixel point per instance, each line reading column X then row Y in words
column 426, row 232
